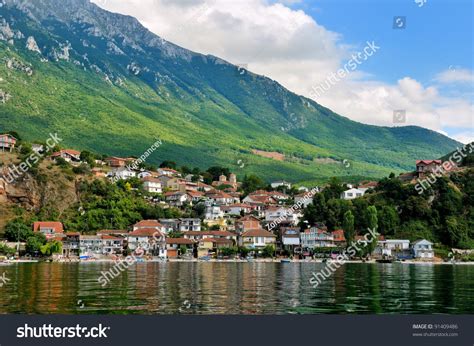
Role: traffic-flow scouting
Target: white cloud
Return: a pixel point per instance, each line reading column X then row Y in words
column 291, row 47
column 455, row 75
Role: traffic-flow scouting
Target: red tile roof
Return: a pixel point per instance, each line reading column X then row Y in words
column 146, row 232
column 57, row 226
column 148, row 223
column 428, row 162
column 67, row 151
column 110, row 237
column 179, row 241
column 257, row 232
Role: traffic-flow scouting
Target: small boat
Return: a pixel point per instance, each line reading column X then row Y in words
column 385, row 260
column 285, row 260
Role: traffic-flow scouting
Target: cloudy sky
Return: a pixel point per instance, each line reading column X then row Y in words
column 423, row 66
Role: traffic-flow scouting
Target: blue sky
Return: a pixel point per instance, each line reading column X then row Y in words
column 425, row 69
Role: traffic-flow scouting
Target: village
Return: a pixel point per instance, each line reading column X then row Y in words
column 263, row 224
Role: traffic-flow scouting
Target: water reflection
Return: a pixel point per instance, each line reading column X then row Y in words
column 237, row 288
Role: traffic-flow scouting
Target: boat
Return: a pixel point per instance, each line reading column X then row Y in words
column 285, row 260
column 384, row 260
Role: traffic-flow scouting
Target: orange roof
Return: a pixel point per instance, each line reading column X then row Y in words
column 67, row 151
column 57, row 226
column 148, row 223
column 111, row 231
column 257, row 232
column 179, row 241
column 146, row 232
column 110, row 237
column 73, row 234
column 428, row 162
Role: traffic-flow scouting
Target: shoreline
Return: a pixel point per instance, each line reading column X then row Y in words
column 260, row 260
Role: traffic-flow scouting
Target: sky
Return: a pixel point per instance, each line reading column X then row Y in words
column 418, row 69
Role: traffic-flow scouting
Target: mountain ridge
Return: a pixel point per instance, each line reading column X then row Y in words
column 207, row 110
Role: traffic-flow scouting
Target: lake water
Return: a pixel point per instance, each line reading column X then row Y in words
column 237, row 288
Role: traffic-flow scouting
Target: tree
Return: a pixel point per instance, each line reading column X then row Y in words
column 51, row 248
column 34, row 243
column 268, row 251
column 17, row 230
column 252, row 183
column 217, row 171
column 373, row 225
column 168, row 164
column 88, row 157
column 388, row 220
column 348, row 227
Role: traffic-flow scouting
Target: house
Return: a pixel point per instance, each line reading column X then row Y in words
column 115, row 232
column 195, row 196
column 169, row 225
column 175, row 246
column 177, row 198
column 281, row 214
column 213, row 212
column 223, row 181
column 116, row 161
column 424, row 167
column 280, row 183
column 144, row 174
column 393, row 248
column 210, row 246
column 49, row 228
column 303, row 199
column 353, row 193
column 259, row 197
column 7, row 142
column 247, row 222
column 112, row 245
column 423, row 249
column 149, row 240
column 90, row 245
column 219, row 197
column 71, row 244
column 338, row 238
column 148, row 224
column 189, row 224
column 236, row 209
column 152, row 185
column 168, row 172
column 257, row 238
column 315, row 237
column 68, row 155
column 290, row 238
column 122, row 173
column 37, row 148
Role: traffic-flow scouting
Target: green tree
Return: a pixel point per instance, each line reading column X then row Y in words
column 251, row 183
column 373, row 225
column 268, row 251
column 17, row 230
column 348, row 227
column 34, row 243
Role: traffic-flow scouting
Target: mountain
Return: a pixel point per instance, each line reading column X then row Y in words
column 105, row 83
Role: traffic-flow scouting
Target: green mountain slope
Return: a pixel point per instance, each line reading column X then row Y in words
column 106, row 84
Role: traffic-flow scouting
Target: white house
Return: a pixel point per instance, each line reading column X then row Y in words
column 315, row 237
column 353, row 193
column 423, row 249
column 177, row 198
column 213, row 212
column 393, row 248
column 280, row 214
column 122, row 173
column 279, row 183
column 90, row 245
column 236, row 209
column 152, row 185
column 290, row 237
column 257, row 238
column 189, row 224
column 143, row 174
column 149, row 240
column 304, row 198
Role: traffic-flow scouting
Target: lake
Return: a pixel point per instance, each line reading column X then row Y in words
column 237, row 288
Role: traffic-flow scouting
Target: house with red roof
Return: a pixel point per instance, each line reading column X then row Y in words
column 147, row 241
column 175, row 246
column 425, row 167
column 49, row 228
column 68, row 155
column 257, row 238
column 7, row 142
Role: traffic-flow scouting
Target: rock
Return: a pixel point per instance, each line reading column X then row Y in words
column 32, row 45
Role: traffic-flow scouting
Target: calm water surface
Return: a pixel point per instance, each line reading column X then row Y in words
column 237, row 288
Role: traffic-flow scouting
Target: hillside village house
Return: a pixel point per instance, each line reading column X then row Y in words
column 71, row 244
column 223, row 181
column 195, row 196
column 122, row 173
column 304, row 199
column 220, row 198
column 423, row 249
column 290, row 238
column 112, row 245
column 149, row 240
column 236, row 209
column 49, row 228
column 353, row 193
column 169, row 225
column 246, row 223
column 338, row 238
column 7, row 142
column 399, row 248
column 189, row 224
column 68, row 155
column 177, row 198
column 148, row 224
column 213, row 212
column 209, row 246
column 315, row 237
column 143, row 174
column 174, row 246
column 257, row 239
column 280, row 214
column 117, row 161
column 90, row 245
column 152, row 185
column 168, row 172
column 425, row 167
